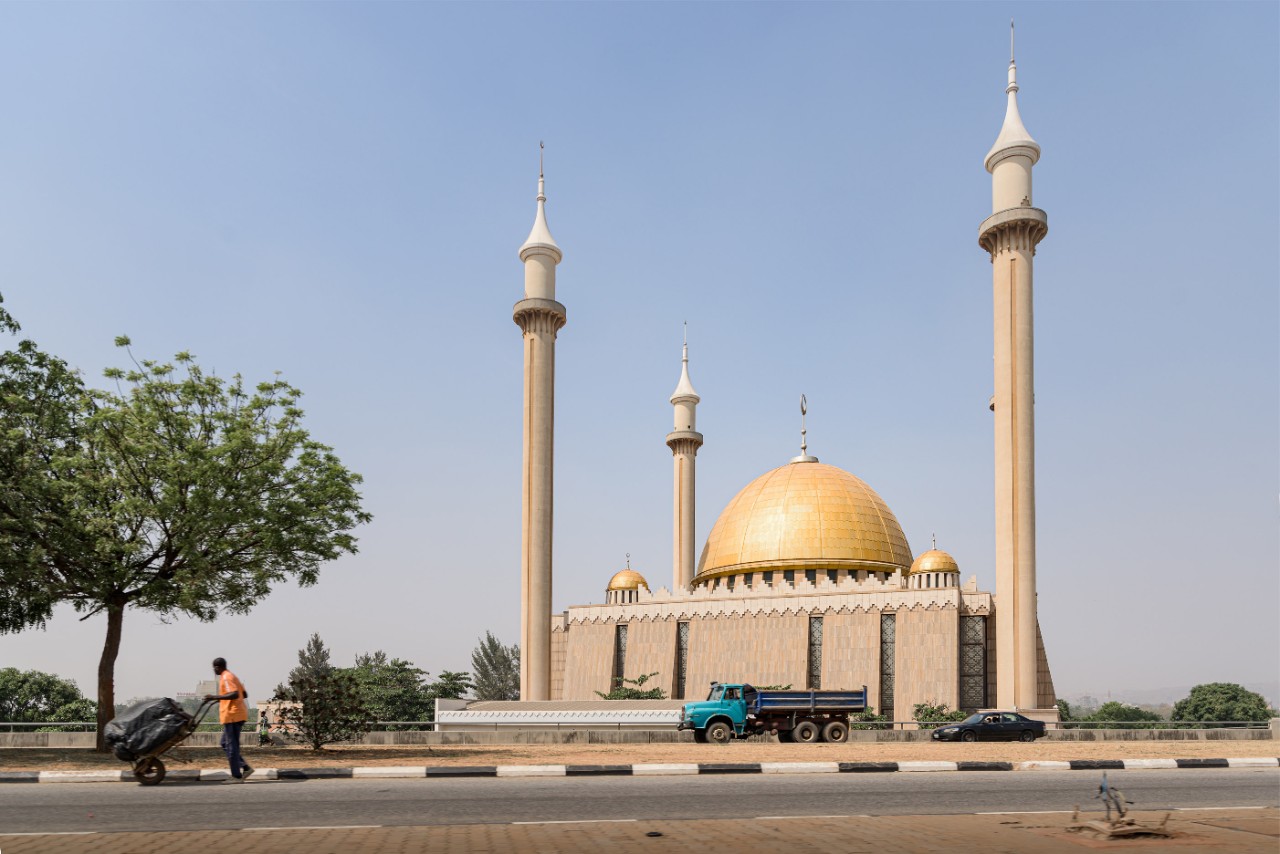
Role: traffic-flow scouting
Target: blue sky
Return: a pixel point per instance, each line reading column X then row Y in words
column 337, row 191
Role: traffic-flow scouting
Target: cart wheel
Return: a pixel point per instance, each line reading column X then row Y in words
column 150, row 772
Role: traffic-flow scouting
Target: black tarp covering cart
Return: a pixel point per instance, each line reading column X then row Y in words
column 145, row 731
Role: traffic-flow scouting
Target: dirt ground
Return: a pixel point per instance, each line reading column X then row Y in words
column 41, row 759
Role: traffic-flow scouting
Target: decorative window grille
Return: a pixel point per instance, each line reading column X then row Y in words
column 815, row 653
column 888, row 641
column 619, row 655
column 682, row 657
column 973, row 663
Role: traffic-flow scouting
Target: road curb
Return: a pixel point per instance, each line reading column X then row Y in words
column 643, row 770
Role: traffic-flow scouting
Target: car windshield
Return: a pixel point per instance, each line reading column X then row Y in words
column 972, row 720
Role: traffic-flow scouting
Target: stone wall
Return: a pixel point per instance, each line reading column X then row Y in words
column 559, row 639
column 927, row 660
column 589, row 660
column 764, row 649
column 651, row 648
column 851, row 653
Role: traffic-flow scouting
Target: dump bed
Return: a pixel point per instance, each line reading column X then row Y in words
column 764, row 703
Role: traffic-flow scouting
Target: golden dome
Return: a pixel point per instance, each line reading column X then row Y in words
column 627, row 579
column 804, row 515
column 934, row 560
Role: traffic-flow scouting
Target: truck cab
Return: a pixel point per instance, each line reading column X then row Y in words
column 721, row 716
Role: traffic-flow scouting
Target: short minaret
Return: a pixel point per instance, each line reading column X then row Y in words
column 1010, row 235
column 684, row 441
column 539, row 317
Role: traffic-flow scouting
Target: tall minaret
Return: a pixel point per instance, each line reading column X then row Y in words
column 539, row 317
column 684, row 441
column 1010, row 234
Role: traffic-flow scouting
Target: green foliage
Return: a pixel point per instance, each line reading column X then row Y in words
column 1064, row 711
column 1222, row 701
column 497, row 669
column 869, row 720
column 633, row 689
column 31, row 696
column 1124, row 712
column 450, row 685
column 178, row 492
column 325, row 709
column 313, row 662
column 931, row 715
column 393, row 689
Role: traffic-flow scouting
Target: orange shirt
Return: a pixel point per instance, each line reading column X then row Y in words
column 230, row 711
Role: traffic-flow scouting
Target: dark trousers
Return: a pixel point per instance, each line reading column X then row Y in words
column 231, row 746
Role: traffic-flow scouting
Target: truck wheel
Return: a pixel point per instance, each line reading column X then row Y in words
column 719, row 733
column 835, row 732
column 700, row 736
column 150, row 773
column 805, row 732
column 784, row 736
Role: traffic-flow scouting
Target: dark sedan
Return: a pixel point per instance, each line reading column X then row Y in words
column 991, row 726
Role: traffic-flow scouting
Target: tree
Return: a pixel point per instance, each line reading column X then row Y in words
column 633, row 689
column 393, row 690
column 1065, row 712
column 179, row 493
column 324, row 709
column 1222, row 701
column 31, row 696
column 313, row 662
column 450, row 685
column 1116, row 711
column 930, row 715
column 497, row 669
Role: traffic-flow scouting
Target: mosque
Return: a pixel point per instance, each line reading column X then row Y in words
column 806, row 578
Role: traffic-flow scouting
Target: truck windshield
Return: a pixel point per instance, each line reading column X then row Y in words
column 715, row 693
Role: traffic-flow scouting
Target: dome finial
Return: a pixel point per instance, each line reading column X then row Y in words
column 1014, row 138
column 935, row 539
column 804, row 442
column 628, row 560
column 1011, row 41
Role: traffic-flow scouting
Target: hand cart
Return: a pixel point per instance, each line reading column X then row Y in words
column 149, row 768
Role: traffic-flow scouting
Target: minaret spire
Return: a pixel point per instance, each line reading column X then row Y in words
column 684, row 441
column 540, row 318
column 1010, row 235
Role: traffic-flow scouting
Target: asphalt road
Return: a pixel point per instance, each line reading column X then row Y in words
column 48, row 808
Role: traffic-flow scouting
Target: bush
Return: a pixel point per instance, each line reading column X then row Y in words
column 931, row 715
column 869, row 720
column 633, row 689
column 1222, row 701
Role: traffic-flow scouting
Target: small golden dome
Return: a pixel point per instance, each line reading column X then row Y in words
column 934, row 560
column 627, row 579
column 804, row 515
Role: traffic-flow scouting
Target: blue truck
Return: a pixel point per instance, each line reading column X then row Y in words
column 737, row 711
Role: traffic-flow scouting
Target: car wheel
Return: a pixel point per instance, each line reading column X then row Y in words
column 805, row 732
column 719, row 733
column 968, row 735
column 1028, row 735
column 835, row 732
column 150, row 773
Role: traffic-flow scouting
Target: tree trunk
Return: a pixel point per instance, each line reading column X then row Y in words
column 107, row 672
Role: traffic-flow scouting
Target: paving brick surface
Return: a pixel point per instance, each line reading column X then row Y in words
column 1231, row 831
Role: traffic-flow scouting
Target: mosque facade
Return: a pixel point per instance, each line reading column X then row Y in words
column 806, row 578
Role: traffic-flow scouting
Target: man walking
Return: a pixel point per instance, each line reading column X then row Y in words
column 232, row 713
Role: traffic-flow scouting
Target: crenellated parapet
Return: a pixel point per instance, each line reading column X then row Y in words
column 1013, row 230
